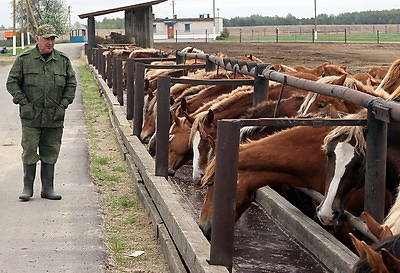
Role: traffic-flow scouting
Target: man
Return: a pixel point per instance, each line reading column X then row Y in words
column 42, row 82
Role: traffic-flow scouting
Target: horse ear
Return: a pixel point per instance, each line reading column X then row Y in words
column 376, row 229
column 358, row 245
column 210, row 116
column 188, row 117
column 183, row 105
column 340, row 80
column 374, row 258
column 391, row 263
column 175, row 118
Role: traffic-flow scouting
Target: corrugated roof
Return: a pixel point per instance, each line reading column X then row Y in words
column 107, row 11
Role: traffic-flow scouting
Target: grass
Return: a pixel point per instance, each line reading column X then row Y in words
column 126, row 225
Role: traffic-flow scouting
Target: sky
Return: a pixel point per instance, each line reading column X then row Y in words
column 223, row 8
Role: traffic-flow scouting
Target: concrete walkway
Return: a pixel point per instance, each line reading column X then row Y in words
column 43, row 235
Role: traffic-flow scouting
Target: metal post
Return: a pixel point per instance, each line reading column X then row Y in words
column 138, row 99
column 109, row 70
column 375, row 170
column 260, row 87
column 100, row 62
column 95, row 63
column 224, row 202
column 210, row 66
column 90, row 55
column 119, row 78
column 91, row 32
column 179, row 59
column 163, row 99
column 130, row 82
column 114, row 76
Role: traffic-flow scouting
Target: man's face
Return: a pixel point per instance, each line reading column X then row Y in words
column 45, row 45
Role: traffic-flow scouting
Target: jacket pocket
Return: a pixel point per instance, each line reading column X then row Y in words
column 59, row 113
column 31, row 77
column 60, row 78
column 27, row 111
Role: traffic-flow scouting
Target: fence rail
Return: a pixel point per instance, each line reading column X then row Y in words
column 380, row 113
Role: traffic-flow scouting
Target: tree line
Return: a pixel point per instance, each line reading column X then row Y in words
column 348, row 18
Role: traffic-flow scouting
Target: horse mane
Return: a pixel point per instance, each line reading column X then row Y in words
column 349, row 82
column 254, row 112
column 217, row 105
column 209, row 173
column 394, row 95
column 391, row 76
column 235, row 95
column 190, row 49
column 356, row 132
column 135, row 52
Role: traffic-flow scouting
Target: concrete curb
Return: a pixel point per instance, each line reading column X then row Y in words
column 182, row 230
column 184, row 246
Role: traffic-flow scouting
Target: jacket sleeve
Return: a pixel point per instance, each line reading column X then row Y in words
column 70, row 87
column 14, row 83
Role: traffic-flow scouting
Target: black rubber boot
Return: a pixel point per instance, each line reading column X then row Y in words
column 47, row 176
column 29, row 178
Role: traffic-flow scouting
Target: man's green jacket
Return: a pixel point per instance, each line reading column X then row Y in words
column 42, row 88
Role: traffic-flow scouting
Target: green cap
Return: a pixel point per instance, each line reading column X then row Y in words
column 46, row 31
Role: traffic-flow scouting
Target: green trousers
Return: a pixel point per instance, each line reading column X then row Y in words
column 41, row 144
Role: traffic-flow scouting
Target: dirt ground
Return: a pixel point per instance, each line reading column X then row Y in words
column 359, row 57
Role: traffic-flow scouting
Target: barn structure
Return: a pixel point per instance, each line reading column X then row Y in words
column 138, row 23
column 187, row 28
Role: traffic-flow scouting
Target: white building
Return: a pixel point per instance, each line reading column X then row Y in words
column 202, row 28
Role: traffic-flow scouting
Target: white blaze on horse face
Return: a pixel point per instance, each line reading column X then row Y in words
column 344, row 154
column 196, row 158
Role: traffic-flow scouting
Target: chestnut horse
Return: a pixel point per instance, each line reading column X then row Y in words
column 345, row 148
column 290, row 157
column 391, row 81
column 150, row 110
column 317, row 71
column 204, row 125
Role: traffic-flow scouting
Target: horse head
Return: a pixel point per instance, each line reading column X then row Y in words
column 344, row 146
column 149, row 121
column 179, row 144
column 202, row 135
column 205, row 220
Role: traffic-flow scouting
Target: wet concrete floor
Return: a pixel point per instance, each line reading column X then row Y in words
column 261, row 244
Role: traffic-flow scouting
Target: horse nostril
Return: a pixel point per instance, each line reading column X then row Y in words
column 336, row 215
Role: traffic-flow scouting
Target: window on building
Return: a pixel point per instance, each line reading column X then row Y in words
column 187, row 27
column 154, row 28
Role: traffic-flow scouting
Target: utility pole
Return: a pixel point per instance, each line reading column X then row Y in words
column 315, row 20
column 214, row 15
column 173, row 9
column 14, row 30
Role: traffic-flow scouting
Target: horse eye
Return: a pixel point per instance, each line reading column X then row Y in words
column 171, row 137
column 320, row 106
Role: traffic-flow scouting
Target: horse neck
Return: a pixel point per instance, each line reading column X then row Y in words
column 235, row 108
